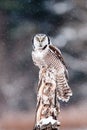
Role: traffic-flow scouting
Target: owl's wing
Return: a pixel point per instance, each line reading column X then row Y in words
column 63, row 90
column 59, row 56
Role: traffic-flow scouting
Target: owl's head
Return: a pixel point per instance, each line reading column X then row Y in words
column 40, row 41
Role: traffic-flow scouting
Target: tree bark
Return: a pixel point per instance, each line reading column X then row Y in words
column 47, row 104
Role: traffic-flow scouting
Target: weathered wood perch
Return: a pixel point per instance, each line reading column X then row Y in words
column 47, row 103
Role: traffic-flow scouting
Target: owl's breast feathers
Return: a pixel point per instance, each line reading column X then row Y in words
column 49, row 57
column 38, row 57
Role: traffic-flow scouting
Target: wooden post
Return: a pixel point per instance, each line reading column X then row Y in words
column 47, row 103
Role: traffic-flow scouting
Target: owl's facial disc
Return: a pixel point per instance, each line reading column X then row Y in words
column 40, row 41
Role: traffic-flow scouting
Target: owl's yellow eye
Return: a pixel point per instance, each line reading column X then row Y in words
column 43, row 39
column 38, row 39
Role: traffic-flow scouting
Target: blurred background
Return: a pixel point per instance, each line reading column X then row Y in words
column 65, row 21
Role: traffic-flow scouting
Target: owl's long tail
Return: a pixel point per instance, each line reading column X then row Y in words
column 63, row 90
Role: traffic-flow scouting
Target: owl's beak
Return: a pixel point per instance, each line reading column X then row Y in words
column 40, row 44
